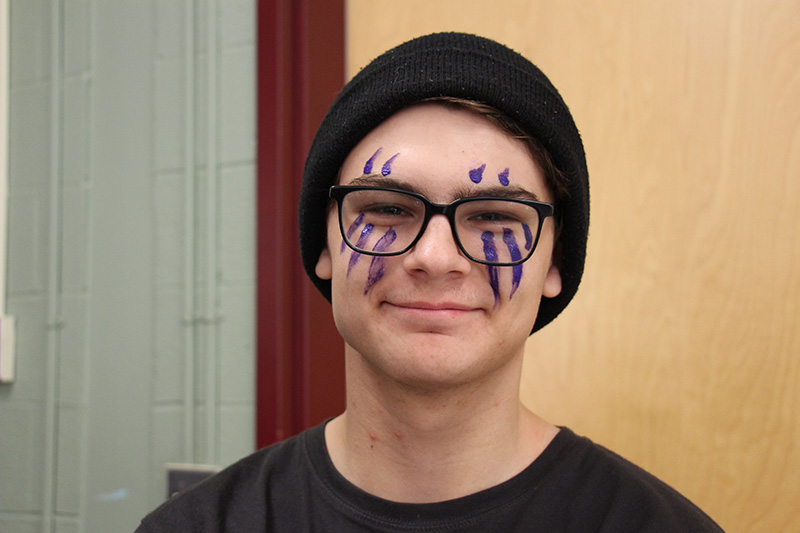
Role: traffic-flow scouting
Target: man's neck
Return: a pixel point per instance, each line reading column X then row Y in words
column 418, row 446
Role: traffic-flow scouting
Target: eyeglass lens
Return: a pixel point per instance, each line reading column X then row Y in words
column 492, row 231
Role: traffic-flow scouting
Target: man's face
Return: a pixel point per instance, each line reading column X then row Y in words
column 431, row 317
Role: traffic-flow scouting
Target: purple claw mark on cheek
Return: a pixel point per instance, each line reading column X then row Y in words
column 513, row 249
column 503, row 177
column 476, row 174
column 362, row 240
column 386, row 169
column 371, row 161
column 490, row 252
column 376, row 266
column 528, row 236
column 356, row 223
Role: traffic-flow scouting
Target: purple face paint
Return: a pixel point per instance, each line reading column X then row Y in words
column 528, row 236
column 376, row 266
column 503, row 177
column 356, row 223
column 476, row 174
column 490, row 252
column 362, row 240
column 513, row 249
column 387, row 167
column 371, row 161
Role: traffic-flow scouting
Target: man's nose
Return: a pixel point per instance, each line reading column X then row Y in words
column 436, row 252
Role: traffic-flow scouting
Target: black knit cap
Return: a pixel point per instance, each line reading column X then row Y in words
column 463, row 66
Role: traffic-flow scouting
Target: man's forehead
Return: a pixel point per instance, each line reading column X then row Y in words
column 445, row 153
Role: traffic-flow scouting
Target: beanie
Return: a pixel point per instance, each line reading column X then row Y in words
column 462, row 66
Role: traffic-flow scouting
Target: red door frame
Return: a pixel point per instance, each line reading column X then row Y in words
column 299, row 354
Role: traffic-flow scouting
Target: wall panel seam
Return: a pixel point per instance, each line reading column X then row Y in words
column 190, row 236
column 50, row 461
column 212, row 212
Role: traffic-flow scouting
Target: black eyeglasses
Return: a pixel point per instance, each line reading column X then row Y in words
column 489, row 230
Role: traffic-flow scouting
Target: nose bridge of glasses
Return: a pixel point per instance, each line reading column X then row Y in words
column 446, row 210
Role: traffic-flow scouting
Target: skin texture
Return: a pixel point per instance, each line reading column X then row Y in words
column 433, row 350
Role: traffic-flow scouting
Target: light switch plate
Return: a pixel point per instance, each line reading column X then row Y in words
column 8, row 326
column 181, row 476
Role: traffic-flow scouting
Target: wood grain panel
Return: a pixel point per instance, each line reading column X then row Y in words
column 681, row 349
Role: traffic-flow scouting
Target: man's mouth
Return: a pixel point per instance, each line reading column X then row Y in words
column 423, row 310
column 434, row 306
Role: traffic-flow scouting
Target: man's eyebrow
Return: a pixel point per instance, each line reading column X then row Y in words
column 508, row 191
column 496, row 191
column 376, row 180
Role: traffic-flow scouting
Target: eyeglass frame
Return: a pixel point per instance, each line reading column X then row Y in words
column 338, row 193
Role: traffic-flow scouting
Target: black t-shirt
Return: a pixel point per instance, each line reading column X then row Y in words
column 574, row 485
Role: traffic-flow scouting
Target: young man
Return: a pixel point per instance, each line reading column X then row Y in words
column 444, row 213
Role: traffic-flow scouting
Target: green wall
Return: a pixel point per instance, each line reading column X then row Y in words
column 130, row 254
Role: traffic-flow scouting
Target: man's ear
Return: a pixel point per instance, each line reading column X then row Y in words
column 324, row 268
column 552, row 280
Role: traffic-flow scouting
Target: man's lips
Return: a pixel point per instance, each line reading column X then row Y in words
column 433, row 310
column 434, row 306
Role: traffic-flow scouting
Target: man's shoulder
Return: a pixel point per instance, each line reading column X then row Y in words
column 236, row 496
column 627, row 496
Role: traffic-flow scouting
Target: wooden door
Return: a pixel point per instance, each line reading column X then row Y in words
column 682, row 349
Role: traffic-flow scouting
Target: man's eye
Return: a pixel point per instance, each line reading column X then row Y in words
column 388, row 210
column 493, row 217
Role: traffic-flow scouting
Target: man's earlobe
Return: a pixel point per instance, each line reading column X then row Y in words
column 552, row 282
column 324, row 268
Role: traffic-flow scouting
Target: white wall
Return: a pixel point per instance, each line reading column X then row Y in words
column 130, row 254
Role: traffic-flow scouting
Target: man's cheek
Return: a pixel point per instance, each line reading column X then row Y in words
column 356, row 261
column 497, row 273
column 377, row 265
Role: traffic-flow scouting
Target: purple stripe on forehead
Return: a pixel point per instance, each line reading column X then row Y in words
column 476, row 174
column 376, row 266
column 387, row 167
column 503, row 177
column 362, row 240
column 371, row 161
column 513, row 249
column 356, row 223
column 490, row 252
